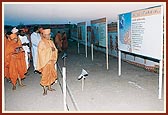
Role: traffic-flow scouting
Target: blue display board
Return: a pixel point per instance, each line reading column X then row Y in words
column 98, row 32
column 141, row 32
column 81, row 30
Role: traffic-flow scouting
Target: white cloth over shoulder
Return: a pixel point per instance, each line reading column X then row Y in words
column 26, row 48
column 24, row 39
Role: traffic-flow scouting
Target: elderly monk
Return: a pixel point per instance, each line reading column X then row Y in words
column 47, row 57
column 58, row 41
column 15, row 60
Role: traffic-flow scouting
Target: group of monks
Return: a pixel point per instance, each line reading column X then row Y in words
column 47, row 55
column 61, row 41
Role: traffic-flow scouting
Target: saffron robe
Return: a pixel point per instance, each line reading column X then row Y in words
column 46, row 62
column 15, row 61
column 58, row 41
column 6, row 63
column 64, row 42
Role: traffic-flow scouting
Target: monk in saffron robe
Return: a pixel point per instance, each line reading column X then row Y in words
column 64, row 42
column 47, row 57
column 6, row 63
column 58, row 41
column 16, row 60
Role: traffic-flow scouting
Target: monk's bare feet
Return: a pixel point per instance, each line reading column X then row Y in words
column 22, row 85
column 45, row 93
column 51, row 89
column 14, row 88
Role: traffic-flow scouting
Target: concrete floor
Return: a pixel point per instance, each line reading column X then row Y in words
column 135, row 91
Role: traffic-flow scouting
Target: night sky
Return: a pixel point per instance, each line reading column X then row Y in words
column 63, row 13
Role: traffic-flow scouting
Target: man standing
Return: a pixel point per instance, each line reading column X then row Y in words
column 58, row 41
column 25, row 45
column 47, row 57
column 6, row 63
column 16, row 60
column 35, row 39
column 64, row 44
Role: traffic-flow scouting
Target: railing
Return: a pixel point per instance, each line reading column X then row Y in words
column 65, row 88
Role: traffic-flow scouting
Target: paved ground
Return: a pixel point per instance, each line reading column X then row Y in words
column 135, row 91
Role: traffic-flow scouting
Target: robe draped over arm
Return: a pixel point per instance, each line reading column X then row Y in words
column 44, row 55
